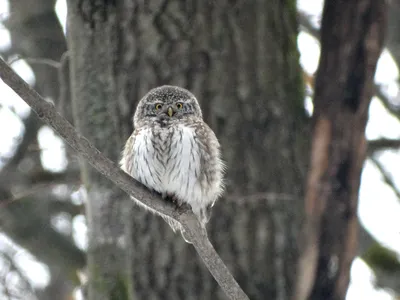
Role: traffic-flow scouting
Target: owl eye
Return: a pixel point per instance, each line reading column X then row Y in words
column 179, row 105
column 158, row 106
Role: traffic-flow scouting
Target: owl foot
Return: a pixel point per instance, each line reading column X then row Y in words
column 205, row 214
column 185, row 238
column 154, row 192
column 183, row 207
column 175, row 200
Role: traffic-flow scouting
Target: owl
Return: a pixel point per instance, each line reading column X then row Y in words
column 172, row 151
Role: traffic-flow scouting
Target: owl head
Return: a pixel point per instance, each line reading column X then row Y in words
column 167, row 104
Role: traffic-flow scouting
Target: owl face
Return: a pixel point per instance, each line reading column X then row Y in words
column 167, row 104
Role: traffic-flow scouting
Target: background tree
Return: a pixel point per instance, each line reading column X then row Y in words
column 241, row 61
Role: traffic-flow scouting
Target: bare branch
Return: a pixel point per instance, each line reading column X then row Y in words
column 383, row 261
column 33, row 190
column 306, row 24
column 49, row 115
column 383, row 144
column 35, row 60
column 387, row 178
column 386, row 101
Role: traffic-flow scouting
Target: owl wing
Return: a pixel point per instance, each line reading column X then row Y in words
column 212, row 167
column 128, row 154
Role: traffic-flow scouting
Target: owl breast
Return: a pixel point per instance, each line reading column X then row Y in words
column 169, row 161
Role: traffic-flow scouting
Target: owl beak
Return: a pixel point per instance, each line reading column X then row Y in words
column 170, row 111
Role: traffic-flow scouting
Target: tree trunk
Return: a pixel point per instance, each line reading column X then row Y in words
column 240, row 59
column 93, row 53
column 393, row 36
column 351, row 42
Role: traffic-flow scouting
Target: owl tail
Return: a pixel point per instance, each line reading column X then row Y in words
column 176, row 226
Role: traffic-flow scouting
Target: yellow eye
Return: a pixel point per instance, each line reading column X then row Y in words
column 158, row 106
column 179, row 105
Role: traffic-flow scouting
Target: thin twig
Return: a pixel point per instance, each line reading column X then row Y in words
column 387, row 178
column 80, row 144
column 385, row 100
column 63, row 79
column 21, row 195
column 35, row 60
column 306, row 24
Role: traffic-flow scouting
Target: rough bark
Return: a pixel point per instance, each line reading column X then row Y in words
column 92, row 44
column 241, row 61
column 351, row 41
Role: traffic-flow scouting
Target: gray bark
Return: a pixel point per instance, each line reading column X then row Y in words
column 241, row 61
column 91, row 44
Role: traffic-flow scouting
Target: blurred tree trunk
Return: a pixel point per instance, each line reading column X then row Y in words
column 352, row 35
column 92, row 48
column 393, row 36
column 240, row 59
column 36, row 34
column 382, row 260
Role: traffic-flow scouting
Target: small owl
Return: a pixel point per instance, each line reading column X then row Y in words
column 173, row 152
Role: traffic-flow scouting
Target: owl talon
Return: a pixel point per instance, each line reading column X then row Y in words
column 183, row 207
column 175, row 200
column 169, row 198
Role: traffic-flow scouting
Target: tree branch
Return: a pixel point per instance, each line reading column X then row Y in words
column 382, row 144
column 387, row 178
column 385, row 100
column 80, row 144
column 306, row 24
column 382, row 260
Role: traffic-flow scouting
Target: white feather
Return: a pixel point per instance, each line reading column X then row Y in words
column 176, row 169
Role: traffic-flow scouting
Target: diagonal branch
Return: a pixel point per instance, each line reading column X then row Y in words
column 80, row 144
